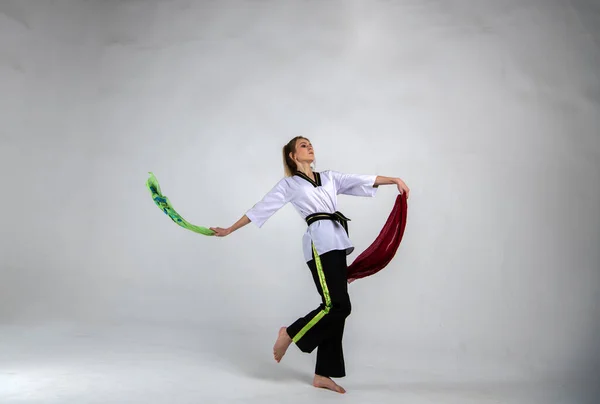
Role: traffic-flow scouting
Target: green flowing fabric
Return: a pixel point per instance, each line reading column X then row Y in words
column 165, row 205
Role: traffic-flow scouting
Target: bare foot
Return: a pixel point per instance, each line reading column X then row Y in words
column 281, row 345
column 326, row 383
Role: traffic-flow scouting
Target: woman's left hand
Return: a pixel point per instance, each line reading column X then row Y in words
column 402, row 187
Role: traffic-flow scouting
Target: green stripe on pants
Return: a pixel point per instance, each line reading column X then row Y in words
column 322, row 313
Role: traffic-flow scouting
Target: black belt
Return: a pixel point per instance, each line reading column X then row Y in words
column 336, row 217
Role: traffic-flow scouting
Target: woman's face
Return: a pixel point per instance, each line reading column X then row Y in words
column 304, row 151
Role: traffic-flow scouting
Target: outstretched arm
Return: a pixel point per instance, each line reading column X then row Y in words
column 274, row 200
column 402, row 187
column 220, row 232
column 364, row 185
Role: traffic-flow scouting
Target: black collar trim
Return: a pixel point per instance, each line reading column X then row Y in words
column 316, row 183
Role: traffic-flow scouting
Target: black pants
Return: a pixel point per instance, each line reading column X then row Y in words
column 323, row 327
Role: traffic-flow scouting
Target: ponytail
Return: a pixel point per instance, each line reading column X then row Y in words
column 289, row 165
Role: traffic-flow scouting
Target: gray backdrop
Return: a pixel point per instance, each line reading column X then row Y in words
column 490, row 111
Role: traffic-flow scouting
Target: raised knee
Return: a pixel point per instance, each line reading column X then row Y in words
column 341, row 309
column 347, row 309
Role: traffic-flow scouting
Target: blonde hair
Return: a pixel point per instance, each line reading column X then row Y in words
column 289, row 165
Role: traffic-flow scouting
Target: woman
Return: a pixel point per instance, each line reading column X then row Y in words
column 325, row 247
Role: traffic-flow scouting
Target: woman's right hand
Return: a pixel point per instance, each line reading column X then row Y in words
column 220, row 232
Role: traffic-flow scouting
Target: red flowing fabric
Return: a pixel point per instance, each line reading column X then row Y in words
column 383, row 249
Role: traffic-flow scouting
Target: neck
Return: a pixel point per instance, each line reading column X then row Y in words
column 305, row 168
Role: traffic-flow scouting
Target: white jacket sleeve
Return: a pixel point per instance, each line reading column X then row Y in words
column 274, row 200
column 354, row 184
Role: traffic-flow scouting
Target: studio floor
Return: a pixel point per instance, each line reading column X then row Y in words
column 75, row 364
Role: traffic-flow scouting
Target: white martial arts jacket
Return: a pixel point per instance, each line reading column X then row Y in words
column 307, row 197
